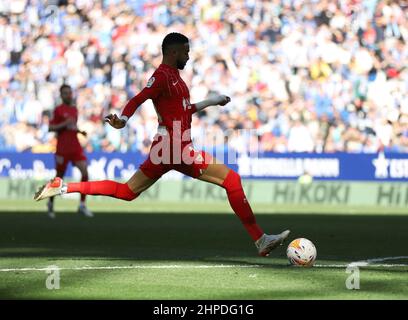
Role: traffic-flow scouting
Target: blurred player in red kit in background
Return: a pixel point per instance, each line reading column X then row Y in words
column 64, row 123
column 172, row 148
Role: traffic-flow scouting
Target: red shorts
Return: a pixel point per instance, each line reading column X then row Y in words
column 62, row 160
column 192, row 164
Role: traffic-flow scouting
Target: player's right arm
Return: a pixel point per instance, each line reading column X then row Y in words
column 153, row 89
column 220, row 100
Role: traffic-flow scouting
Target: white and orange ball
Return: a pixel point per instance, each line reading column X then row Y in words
column 301, row 252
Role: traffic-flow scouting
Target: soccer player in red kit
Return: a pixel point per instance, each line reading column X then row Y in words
column 64, row 123
column 172, row 148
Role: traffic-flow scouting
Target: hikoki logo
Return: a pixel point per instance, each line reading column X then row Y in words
column 390, row 168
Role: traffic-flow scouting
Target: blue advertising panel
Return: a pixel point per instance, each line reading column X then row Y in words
column 327, row 166
column 333, row 166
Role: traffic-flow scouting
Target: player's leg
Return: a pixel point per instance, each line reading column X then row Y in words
column 61, row 164
column 206, row 168
column 82, row 166
column 209, row 169
column 227, row 178
column 149, row 172
column 124, row 191
column 219, row 174
column 147, row 175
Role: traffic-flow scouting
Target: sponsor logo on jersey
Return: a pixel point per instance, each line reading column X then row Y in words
column 150, row 82
column 186, row 104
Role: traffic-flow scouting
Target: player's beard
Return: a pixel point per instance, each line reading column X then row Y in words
column 181, row 64
column 67, row 101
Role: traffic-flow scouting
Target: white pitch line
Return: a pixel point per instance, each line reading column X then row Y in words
column 368, row 263
column 362, row 263
column 330, row 265
column 172, row 266
column 356, row 265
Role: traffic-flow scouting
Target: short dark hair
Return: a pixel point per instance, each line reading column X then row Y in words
column 172, row 39
column 64, row 86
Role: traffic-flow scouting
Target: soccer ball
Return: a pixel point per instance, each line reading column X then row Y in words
column 301, row 252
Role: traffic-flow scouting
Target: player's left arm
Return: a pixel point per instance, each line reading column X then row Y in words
column 74, row 126
column 218, row 100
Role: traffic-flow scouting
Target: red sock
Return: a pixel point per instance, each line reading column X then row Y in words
column 103, row 188
column 240, row 205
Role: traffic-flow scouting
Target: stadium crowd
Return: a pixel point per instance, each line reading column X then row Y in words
column 304, row 76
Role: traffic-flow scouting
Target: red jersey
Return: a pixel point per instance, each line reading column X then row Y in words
column 171, row 99
column 67, row 138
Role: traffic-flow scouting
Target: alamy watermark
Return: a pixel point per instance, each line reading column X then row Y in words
column 353, row 280
column 174, row 145
column 52, row 282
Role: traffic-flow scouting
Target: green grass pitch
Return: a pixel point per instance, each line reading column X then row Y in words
column 195, row 252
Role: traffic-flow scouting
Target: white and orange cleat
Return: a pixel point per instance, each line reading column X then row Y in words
column 52, row 188
column 268, row 242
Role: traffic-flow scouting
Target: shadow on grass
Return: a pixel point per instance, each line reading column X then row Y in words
column 202, row 238
column 195, row 237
